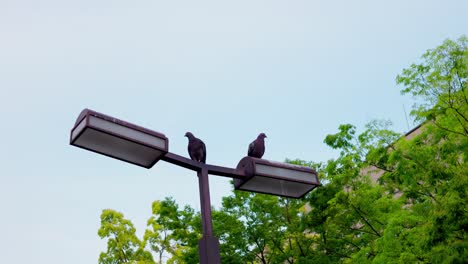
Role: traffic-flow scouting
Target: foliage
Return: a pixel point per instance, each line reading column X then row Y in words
column 439, row 84
column 173, row 231
column 415, row 212
column 430, row 169
column 123, row 246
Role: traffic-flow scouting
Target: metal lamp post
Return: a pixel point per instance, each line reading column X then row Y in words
column 118, row 139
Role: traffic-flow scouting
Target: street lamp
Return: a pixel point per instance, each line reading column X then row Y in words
column 118, row 139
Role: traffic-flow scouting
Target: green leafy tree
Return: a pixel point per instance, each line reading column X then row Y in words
column 123, row 246
column 350, row 212
column 173, row 231
column 430, row 169
column 261, row 228
column 439, row 84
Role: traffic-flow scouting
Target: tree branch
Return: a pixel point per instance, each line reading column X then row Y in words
column 357, row 230
column 349, row 242
column 409, row 158
column 380, row 167
column 261, row 248
column 460, row 114
column 364, row 213
column 124, row 256
column 449, row 130
column 426, row 192
column 365, row 220
column 300, row 248
column 276, row 244
column 462, row 87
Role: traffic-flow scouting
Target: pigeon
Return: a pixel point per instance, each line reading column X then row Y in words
column 257, row 147
column 196, row 148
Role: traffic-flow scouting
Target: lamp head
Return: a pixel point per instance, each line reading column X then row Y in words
column 118, row 139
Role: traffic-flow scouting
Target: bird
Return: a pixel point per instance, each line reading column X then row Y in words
column 196, row 148
column 257, row 147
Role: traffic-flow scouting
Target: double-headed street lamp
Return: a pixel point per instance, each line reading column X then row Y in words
column 144, row 147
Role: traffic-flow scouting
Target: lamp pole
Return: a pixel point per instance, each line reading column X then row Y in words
column 208, row 245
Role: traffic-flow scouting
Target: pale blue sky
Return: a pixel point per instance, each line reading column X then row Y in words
column 225, row 70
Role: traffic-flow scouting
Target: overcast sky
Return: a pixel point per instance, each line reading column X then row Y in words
column 225, row 70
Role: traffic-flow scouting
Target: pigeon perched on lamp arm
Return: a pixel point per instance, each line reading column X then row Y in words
column 257, row 147
column 196, row 148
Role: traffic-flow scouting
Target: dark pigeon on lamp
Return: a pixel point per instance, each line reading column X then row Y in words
column 257, row 147
column 196, row 148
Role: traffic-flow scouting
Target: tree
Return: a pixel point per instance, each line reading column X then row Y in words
column 439, row 83
column 123, row 246
column 350, row 212
column 430, row 169
column 173, row 231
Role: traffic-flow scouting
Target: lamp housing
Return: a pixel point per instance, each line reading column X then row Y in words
column 275, row 178
column 118, row 139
